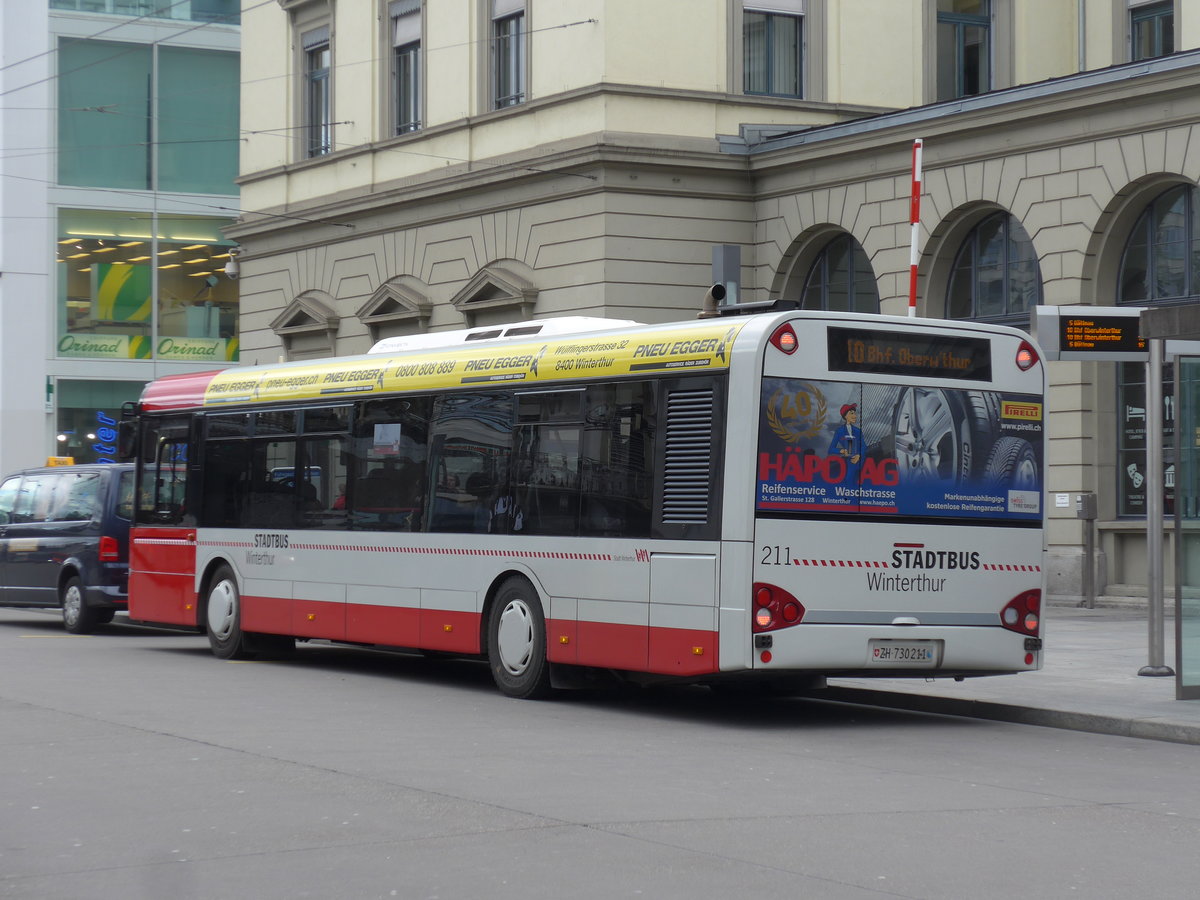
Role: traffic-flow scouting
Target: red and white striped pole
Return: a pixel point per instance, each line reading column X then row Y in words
column 914, row 219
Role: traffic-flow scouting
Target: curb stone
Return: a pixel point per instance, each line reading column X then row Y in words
column 1151, row 728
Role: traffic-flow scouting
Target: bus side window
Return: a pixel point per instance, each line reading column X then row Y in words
column 226, row 471
column 273, row 499
column 386, row 481
column 323, row 482
column 470, row 444
column 617, row 461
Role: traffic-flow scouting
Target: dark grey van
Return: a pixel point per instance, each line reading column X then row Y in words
column 64, row 541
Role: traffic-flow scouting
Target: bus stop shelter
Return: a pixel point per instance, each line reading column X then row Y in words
column 1182, row 323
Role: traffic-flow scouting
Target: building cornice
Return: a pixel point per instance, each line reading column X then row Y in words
column 1073, row 92
column 591, row 164
column 605, row 90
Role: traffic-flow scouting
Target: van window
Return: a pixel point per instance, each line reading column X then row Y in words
column 34, row 497
column 77, row 497
column 8, row 499
column 125, row 495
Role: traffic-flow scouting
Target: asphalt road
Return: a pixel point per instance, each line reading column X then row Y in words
column 135, row 765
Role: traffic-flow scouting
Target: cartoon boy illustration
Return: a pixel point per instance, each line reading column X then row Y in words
column 848, row 442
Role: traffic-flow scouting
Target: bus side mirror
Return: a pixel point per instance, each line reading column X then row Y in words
column 126, row 440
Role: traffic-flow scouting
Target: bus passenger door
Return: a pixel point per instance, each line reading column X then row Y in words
column 162, row 542
column 683, row 613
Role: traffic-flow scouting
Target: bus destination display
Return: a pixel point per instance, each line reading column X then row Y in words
column 868, row 350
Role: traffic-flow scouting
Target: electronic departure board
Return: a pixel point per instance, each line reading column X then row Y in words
column 909, row 353
column 1097, row 333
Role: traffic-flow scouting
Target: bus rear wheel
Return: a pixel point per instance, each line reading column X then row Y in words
column 517, row 641
column 223, row 616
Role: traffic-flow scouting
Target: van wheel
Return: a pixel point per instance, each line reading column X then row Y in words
column 223, row 615
column 517, row 642
column 78, row 617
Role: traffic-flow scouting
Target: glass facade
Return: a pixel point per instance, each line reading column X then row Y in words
column 140, row 286
column 88, row 413
column 147, row 117
column 226, row 12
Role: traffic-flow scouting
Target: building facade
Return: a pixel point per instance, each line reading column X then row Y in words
column 119, row 128
column 416, row 166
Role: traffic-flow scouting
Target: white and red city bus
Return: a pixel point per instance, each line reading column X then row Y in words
column 781, row 496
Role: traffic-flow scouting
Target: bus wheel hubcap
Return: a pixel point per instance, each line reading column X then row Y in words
column 221, row 607
column 514, row 638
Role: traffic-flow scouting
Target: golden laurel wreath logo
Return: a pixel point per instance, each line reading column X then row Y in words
column 795, row 417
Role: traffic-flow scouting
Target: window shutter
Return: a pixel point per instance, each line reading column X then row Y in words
column 406, row 21
column 787, row 7
column 502, row 8
column 315, row 38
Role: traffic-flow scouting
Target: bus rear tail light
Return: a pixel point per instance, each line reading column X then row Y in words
column 1027, row 357
column 1022, row 614
column 775, row 608
column 109, row 552
column 784, row 339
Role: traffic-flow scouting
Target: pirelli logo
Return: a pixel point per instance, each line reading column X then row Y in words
column 1010, row 409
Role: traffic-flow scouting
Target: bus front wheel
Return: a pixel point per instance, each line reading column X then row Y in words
column 223, row 616
column 517, row 641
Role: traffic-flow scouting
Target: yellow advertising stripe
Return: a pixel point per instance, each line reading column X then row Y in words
column 109, row 290
column 700, row 347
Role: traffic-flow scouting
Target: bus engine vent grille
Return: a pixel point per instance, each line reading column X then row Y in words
column 688, row 458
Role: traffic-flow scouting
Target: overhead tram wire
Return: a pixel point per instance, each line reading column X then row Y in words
column 106, row 108
column 218, row 21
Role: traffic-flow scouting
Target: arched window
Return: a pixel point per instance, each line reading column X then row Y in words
column 996, row 277
column 841, row 279
column 1162, row 258
column 1161, row 264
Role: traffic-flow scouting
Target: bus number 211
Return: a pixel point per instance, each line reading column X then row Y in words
column 776, row 556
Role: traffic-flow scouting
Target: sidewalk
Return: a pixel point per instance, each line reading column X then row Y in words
column 1088, row 682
